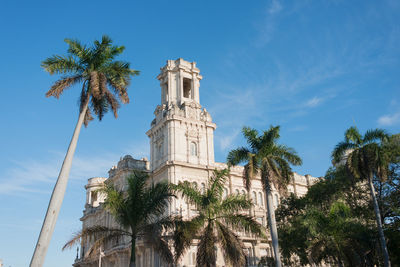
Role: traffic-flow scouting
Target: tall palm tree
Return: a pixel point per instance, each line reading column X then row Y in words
column 140, row 213
column 272, row 161
column 104, row 85
column 216, row 218
column 365, row 156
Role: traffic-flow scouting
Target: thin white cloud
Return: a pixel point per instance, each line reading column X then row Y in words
column 226, row 141
column 313, row 102
column 30, row 175
column 275, row 7
column 266, row 28
column 389, row 119
column 298, row 128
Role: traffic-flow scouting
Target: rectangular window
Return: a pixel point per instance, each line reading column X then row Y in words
column 187, row 88
column 93, row 197
column 166, row 92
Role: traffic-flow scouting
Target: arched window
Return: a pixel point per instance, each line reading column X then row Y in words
column 193, row 149
column 260, row 199
column 203, row 188
column 237, row 191
column 195, row 185
column 243, row 192
column 159, row 151
column 255, row 198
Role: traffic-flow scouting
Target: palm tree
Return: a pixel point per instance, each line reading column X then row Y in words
column 140, row 213
column 104, row 85
column 272, row 161
column 216, row 218
column 364, row 156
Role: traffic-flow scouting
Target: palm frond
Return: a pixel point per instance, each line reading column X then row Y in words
column 188, row 191
column 112, row 101
column 352, row 134
column 184, row 232
column 95, row 232
column 375, row 135
column 243, row 221
column 88, row 117
column 99, row 106
column 61, row 65
column 231, row 245
column 156, row 199
column 153, row 235
column 270, row 136
column 285, row 175
column 206, row 254
column 341, row 150
column 237, row 156
column 115, row 204
column 252, row 138
column 287, row 153
column 77, row 49
column 234, row 203
column 59, row 86
column 216, row 183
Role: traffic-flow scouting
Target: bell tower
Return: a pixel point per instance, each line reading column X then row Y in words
column 180, row 82
column 182, row 132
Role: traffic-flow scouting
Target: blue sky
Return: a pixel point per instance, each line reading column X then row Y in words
column 313, row 67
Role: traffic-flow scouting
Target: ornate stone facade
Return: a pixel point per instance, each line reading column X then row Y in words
column 181, row 149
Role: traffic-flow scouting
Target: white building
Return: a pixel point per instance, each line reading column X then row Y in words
column 181, row 149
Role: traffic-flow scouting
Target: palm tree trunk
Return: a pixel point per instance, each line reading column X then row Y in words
column 379, row 222
column 132, row 262
column 272, row 224
column 57, row 197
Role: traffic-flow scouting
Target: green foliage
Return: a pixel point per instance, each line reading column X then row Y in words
column 140, row 211
column 105, row 80
column 266, row 261
column 331, row 223
column 272, row 161
column 363, row 155
column 215, row 221
column 334, row 221
column 264, row 155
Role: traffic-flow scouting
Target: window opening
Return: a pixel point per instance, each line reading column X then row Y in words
column 261, row 200
column 93, row 196
column 187, row 88
column 166, row 92
column 193, row 149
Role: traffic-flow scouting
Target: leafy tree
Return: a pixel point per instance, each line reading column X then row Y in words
column 272, row 161
column 331, row 223
column 365, row 158
column 104, row 84
column 388, row 195
column 216, row 218
column 139, row 211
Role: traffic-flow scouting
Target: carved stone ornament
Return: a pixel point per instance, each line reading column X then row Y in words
column 192, row 133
